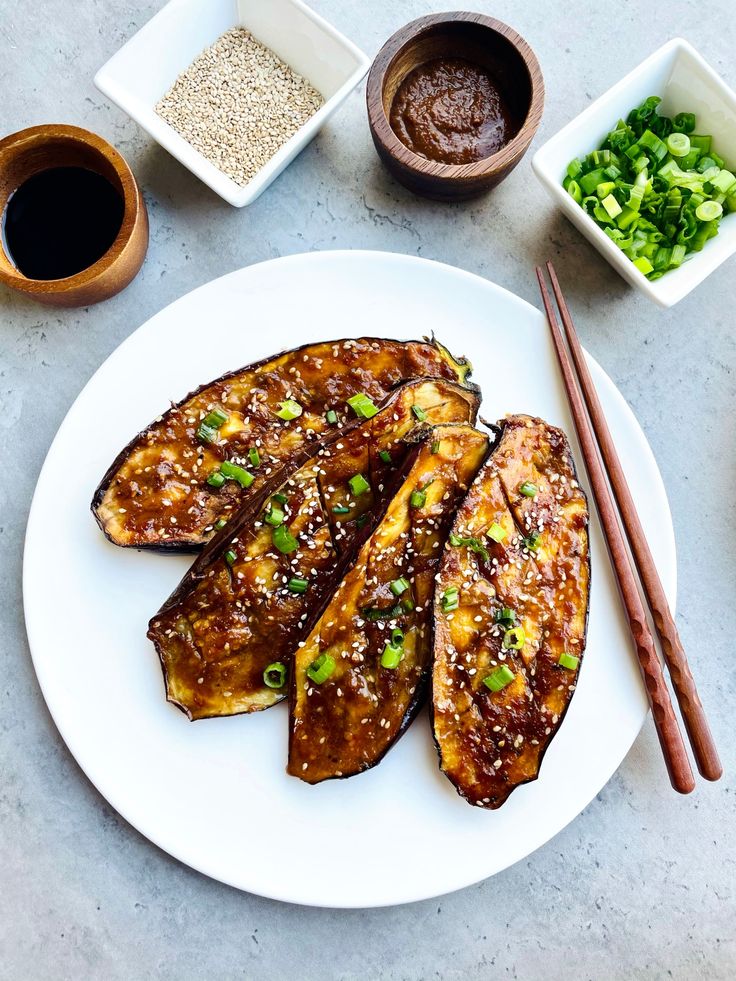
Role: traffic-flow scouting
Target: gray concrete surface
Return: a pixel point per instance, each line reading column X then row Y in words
column 642, row 884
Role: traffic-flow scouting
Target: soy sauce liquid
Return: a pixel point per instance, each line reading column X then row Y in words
column 60, row 221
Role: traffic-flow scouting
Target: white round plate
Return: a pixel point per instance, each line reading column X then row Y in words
column 215, row 793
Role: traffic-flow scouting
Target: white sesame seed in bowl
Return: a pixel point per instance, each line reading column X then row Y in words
column 234, row 89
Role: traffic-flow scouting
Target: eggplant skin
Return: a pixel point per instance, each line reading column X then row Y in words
column 233, row 613
column 348, row 722
column 491, row 742
column 155, row 493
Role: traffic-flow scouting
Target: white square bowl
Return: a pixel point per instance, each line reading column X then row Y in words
column 686, row 83
column 143, row 70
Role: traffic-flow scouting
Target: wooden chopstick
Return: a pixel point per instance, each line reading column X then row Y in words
column 668, row 730
column 691, row 709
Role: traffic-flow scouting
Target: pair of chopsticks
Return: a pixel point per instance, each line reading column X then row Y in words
column 603, row 465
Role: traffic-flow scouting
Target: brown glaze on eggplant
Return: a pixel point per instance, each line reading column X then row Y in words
column 233, row 614
column 490, row 742
column 156, row 495
column 346, row 723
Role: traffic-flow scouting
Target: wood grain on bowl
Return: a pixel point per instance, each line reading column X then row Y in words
column 480, row 40
column 31, row 151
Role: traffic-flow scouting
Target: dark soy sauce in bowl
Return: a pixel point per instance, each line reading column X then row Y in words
column 61, row 221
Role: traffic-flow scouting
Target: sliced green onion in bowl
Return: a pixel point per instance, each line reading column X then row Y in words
column 678, row 144
column 709, row 211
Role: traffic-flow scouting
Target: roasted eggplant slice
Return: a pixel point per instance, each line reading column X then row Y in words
column 257, row 588
column 510, row 614
column 360, row 676
column 168, row 488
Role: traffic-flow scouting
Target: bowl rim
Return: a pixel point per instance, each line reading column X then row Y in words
column 48, row 133
column 381, row 127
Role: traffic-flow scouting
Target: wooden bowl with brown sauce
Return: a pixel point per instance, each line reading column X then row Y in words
column 454, row 101
column 74, row 223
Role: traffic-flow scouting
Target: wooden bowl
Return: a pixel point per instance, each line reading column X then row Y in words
column 29, row 151
column 476, row 38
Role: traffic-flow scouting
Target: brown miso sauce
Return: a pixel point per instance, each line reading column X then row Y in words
column 452, row 111
column 61, row 221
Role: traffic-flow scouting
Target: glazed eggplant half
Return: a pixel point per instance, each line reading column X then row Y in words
column 227, row 634
column 199, row 461
column 360, row 675
column 510, row 614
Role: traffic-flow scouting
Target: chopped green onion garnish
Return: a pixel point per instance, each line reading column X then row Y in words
column 340, row 509
column 419, row 412
column 472, row 543
column 321, row 668
column 297, row 585
column 274, row 516
column 254, row 457
column 220, row 524
column 362, row 406
column 281, row 498
column 505, row 615
column 499, row 678
column 397, row 637
column 407, row 605
column 215, row 419
column 289, row 409
column 450, row 599
column 496, row 532
column 418, row 499
column 385, row 456
column 216, row 479
column 391, row 657
column 399, row 586
column 514, row 639
column 358, row 484
column 528, row 489
column 375, row 613
column 206, row 434
column 230, row 556
column 275, row 675
column 569, row 661
column 362, row 520
column 532, row 541
column 284, row 540
column 331, row 416
column 233, row 472
column 435, row 448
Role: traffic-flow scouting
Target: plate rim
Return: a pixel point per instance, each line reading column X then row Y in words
column 99, row 781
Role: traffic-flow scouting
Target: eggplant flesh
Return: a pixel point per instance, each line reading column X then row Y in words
column 345, row 723
column 156, row 492
column 491, row 741
column 234, row 612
